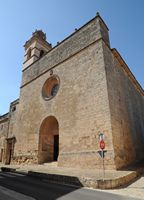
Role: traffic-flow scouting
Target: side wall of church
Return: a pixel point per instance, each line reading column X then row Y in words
column 127, row 112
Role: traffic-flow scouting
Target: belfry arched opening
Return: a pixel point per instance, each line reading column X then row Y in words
column 48, row 140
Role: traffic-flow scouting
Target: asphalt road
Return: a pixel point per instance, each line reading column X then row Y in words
column 14, row 186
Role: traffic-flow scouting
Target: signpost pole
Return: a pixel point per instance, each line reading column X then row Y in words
column 102, row 147
column 103, row 164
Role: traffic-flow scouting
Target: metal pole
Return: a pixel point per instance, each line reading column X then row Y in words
column 103, row 164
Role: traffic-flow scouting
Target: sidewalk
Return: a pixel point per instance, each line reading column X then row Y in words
column 78, row 177
column 134, row 190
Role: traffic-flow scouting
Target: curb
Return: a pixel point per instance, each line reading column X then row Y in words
column 81, row 181
column 57, row 178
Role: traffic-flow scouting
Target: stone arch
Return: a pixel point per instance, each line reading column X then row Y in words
column 41, row 53
column 48, row 140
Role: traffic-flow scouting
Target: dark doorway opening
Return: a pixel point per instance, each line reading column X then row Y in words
column 9, row 156
column 56, row 147
column 1, row 155
column 10, row 149
column 48, row 140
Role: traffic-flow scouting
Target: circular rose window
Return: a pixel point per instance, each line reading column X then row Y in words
column 50, row 87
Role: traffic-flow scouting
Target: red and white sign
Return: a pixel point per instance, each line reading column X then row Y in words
column 102, row 144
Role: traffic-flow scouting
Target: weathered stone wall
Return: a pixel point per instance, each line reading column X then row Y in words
column 4, row 125
column 127, row 112
column 12, row 117
column 4, row 121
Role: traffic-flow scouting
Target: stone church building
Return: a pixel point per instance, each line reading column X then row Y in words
column 69, row 94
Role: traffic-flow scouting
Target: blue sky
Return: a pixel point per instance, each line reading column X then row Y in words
column 58, row 19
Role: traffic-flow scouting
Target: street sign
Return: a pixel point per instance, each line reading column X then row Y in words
column 102, row 144
column 102, row 153
column 101, row 136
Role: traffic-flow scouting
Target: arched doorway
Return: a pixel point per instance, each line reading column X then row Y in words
column 48, row 140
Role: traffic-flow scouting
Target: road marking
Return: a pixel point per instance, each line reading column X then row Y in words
column 11, row 174
column 15, row 195
column 7, row 175
column 16, row 174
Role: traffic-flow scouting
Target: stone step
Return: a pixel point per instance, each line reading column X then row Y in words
column 50, row 164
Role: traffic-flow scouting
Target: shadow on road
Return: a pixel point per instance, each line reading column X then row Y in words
column 35, row 187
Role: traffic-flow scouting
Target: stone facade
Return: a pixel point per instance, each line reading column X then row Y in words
column 76, row 90
column 4, row 123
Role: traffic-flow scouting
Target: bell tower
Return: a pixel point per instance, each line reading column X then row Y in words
column 35, row 48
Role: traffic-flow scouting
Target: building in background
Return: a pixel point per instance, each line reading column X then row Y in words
column 69, row 94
